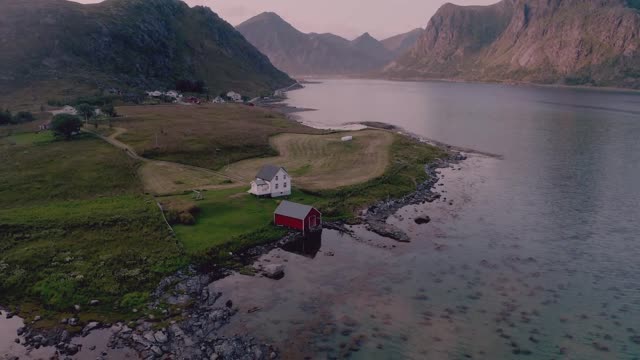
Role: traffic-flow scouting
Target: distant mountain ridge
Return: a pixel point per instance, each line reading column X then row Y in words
column 573, row 42
column 298, row 53
column 64, row 48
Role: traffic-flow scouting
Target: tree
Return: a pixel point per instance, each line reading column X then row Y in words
column 5, row 117
column 86, row 111
column 22, row 117
column 66, row 125
column 109, row 110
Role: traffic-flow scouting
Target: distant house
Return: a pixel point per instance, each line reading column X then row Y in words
column 218, row 100
column 296, row 216
column 154, row 93
column 271, row 181
column 278, row 93
column 173, row 94
column 346, row 138
column 234, row 96
column 67, row 109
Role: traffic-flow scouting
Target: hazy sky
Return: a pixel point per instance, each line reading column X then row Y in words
column 348, row 18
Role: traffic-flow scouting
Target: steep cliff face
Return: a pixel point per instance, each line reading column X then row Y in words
column 400, row 44
column 576, row 42
column 298, row 53
column 128, row 44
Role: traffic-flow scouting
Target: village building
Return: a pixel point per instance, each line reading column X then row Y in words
column 218, row 100
column 173, row 94
column 234, row 96
column 296, row 216
column 154, row 93
column 273, row 181
column 67, row 109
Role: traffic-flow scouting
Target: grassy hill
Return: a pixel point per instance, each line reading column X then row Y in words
column 59, row 48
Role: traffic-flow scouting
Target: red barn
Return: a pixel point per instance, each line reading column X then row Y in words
column 297, row 216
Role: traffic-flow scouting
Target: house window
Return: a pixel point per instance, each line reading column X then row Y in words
column 285, row 176
column 276, row 178
column 276, row 186
column 285, row 184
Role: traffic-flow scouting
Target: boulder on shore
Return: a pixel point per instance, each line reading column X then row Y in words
column 273, row 271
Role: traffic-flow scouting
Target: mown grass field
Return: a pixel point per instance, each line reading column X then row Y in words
column 74, row 227
column 208, row 136
column 320, row 162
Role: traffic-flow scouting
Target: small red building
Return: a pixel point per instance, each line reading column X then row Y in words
column 297, row 216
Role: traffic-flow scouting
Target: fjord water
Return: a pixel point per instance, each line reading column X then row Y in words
column 534, row 254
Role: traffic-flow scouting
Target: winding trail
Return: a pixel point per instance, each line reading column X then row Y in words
column 165, row 177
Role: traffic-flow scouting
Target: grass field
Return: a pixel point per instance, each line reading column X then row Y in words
column 74, row 226
column 227, row 215
column 208, row 136
column 60, row 170
column 319, row 162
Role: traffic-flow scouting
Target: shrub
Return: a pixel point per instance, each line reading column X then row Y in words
column 23, row 117
column 5, row 117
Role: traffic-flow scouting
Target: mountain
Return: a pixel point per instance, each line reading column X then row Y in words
column 400, row 44
column 573, row 42
column 298, row 53
column 55, row 47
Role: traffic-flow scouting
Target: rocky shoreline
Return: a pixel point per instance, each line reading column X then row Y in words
column 191, row 329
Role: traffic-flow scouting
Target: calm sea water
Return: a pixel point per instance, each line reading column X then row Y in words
column 537, row 258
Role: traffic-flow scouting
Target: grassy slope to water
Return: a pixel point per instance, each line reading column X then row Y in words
column 74, row 227
column 231, row 220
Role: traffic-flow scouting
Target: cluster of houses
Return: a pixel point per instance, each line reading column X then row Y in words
column 274, row 181
column 230, row 96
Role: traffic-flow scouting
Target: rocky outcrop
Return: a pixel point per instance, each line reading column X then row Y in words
column 573, row 42
column 66, row 47
column 298, row 53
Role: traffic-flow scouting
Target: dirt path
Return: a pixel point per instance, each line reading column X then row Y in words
column 164, row 177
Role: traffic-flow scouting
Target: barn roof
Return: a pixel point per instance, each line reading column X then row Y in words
column 293, row 210
column 268, row 172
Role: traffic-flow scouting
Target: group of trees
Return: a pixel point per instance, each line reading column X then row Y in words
column 66, row 125
column 6, row 118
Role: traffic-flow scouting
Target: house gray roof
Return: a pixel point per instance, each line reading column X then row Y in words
column 268, row 172
column 260, row 182
column 293, row 210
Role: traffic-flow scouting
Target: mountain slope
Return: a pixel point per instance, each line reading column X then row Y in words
column 298, row 53
column 400, row 44
column 575, row 42
column 64, row 46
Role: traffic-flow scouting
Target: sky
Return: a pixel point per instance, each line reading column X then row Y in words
column 347, row 18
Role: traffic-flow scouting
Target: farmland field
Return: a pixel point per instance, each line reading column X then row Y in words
column 208, row 136
column 319, row 162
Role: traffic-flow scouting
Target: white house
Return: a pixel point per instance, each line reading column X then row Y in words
column 218, row 100
column 154, row 93
column 66, row 110
column 234, row 96
column 173, row 94
column 271, row 181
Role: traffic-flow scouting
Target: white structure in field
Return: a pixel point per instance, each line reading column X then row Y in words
column 271, row 181
column 218, row 100
column 234, row 96
column 347, row 138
